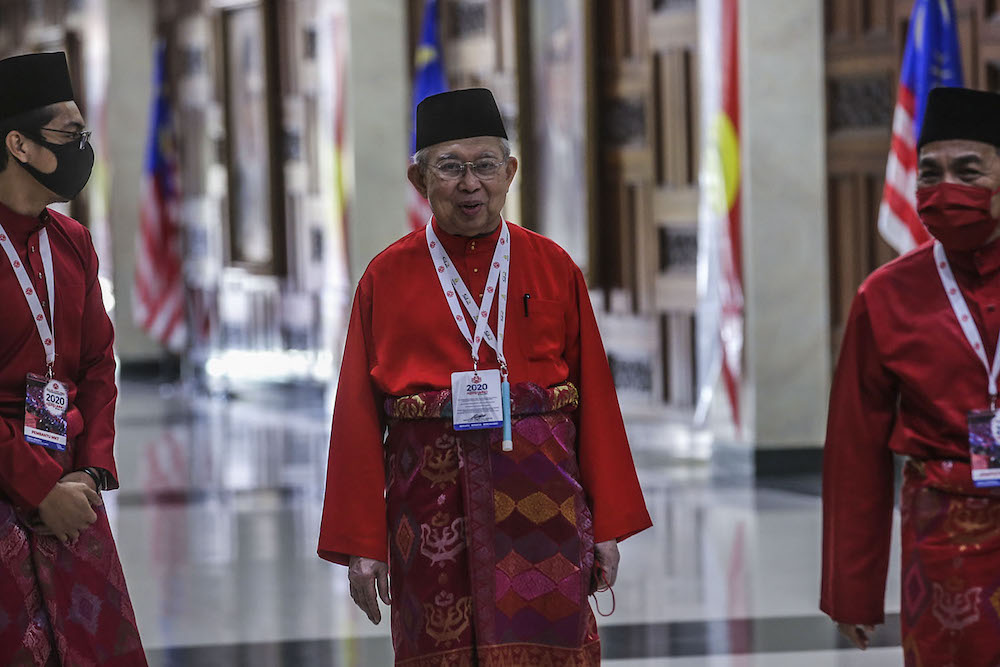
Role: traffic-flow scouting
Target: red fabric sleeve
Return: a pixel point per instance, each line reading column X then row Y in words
column 858, row 478
column 96, row 390
column 354, row 522
column 606, row 468
column 27, row 474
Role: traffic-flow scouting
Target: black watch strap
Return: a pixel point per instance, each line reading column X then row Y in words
column 95, row 475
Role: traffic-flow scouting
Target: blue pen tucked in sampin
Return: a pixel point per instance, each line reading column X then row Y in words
column 508, row 441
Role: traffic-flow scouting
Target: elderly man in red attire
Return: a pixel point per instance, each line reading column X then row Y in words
column 493, row 506
column 917, row 376
column 63, row 599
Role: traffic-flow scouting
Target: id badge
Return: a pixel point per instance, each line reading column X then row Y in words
column 475, row 400
column 984, row 447
column 45, row 412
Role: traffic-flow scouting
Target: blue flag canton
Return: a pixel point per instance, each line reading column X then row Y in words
column 933, row 57
column 429, row 78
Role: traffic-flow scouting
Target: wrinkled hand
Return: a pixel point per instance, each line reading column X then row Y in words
column 859, row 635
column 364, row 574
column 68, row 509
column 80, row 476
column 606, row 558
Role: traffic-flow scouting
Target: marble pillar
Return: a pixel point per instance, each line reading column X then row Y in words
column 379, row 99
column 785, row 223
column 130, row 61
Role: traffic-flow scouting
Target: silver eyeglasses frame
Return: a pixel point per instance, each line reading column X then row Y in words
column 493, row 168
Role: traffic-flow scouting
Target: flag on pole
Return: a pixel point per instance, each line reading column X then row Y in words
column 158, row 292
column 719, row 319
column 931, row 59
column 339, row 91
column 429, row 79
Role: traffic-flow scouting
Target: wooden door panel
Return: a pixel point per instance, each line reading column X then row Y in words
column 648, row 145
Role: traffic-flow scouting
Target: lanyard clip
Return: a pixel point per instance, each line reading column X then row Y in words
column 993, row 402
column 49, row 372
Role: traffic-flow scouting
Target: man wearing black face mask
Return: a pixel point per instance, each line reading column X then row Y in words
column 63, row 598
column 917, row 376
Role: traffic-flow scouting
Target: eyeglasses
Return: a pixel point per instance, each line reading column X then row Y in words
column 484, row 170
column 82, row 135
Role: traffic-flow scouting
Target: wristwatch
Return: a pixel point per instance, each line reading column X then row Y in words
column 97, row 475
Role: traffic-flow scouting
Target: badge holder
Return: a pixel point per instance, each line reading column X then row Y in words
column 45, row 403
column 984, row 425
column 480, row 399
column 46, row 399
column 984, row 446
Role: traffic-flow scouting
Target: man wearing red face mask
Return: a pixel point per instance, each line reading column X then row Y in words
column 917, row 376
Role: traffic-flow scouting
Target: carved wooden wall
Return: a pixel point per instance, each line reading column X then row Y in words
column 647, row 235
column 481, row 41
column 642, row 243
column 275, row 302
column 865, row 40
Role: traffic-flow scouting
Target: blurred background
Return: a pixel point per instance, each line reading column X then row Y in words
column 716, row 167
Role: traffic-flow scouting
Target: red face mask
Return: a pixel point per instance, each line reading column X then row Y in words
column 957, row 215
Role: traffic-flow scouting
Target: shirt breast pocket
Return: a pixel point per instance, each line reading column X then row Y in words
column 543, row 329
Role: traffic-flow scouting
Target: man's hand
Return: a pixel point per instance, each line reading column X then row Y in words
column 67, row 509
column 364, row 574
column 859, row 635
column 606, row 559
column 80, row 476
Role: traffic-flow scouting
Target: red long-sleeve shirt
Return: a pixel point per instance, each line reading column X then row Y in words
column 402, row 340
column 84, row 355
column 904, row 383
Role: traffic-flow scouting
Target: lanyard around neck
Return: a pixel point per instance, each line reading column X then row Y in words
column 454, row 288
column 965, row 320
column 46, row 329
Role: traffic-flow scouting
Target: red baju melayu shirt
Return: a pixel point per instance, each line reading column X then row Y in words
column 905, row 381
column 84, row 356
column 402, row 340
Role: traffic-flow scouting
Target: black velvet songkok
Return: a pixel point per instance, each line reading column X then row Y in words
column 33, row 81
column 457, row 114
column 961, row 113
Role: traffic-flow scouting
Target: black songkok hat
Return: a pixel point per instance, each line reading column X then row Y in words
column 33, row 81
column 457, row 114
column 961, row 113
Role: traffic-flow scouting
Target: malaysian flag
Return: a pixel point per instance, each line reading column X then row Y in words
column 931, row 59
column 158, row 294
column 428, row 80
column 719, row 319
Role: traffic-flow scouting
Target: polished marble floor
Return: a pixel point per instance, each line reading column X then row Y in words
column 219, row 509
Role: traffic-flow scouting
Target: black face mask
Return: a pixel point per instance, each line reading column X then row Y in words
column 73, row 166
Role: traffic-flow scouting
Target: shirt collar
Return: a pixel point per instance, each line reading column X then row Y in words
column 982, row 262
column 21, row 226
column 466, row 245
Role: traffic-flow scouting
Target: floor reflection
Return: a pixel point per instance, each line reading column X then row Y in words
column 217, row 522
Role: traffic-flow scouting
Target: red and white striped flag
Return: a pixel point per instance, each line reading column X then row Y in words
column 418, row 209
column 898, row 221
column 931, row 59
column 158, row 292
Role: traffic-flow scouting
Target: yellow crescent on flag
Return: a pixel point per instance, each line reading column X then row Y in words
column 723, row 163
column 425, row 54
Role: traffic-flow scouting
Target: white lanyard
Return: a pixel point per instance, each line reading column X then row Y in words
column 454, row 288
column 965, row 320
column 46, row 329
